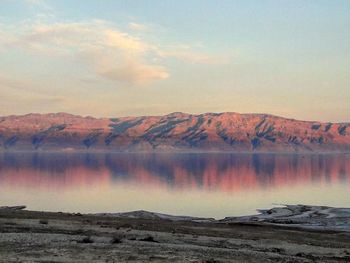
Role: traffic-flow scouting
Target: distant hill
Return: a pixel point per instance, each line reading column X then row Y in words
column 173, row 132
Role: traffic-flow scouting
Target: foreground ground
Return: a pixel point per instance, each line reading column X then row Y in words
column 28, row 236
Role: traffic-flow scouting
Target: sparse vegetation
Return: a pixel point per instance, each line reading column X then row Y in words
column 43, row 221
column 87, row 240
column 149, row 239
column 116, row 240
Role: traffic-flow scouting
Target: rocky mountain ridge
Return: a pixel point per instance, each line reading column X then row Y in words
column 173, row 132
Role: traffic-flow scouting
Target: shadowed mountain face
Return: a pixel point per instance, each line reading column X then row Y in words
column 174, row 132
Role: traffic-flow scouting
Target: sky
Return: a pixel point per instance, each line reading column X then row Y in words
column 152, row 57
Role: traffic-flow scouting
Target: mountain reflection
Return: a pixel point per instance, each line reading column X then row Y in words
column 213, row 172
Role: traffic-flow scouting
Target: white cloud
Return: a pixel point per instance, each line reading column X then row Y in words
column 109, row 52
column 132, row 69
column 33, row 2
column 112, row 54
column 124, row 41
column 137, row 26
column 193, row 57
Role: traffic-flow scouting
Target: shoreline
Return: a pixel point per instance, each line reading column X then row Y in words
column 95, row 151
column 141, row 236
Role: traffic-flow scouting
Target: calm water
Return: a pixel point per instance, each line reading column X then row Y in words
column 214, row 185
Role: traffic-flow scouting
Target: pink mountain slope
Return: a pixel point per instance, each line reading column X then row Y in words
column 173, row 132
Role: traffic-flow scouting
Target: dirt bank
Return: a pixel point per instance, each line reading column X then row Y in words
column 29, row 236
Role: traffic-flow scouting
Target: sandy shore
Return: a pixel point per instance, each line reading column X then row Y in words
column 30, row 236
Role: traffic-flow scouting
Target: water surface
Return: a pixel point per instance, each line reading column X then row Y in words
column 213, row 185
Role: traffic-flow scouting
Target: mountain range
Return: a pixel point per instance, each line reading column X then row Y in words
column 232, row 132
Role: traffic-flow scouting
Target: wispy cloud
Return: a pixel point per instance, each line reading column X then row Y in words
column 37, row 3
column 137, row 26
column 34, row 2
column 193, row 57
column 109, row 52
column 23, row 95
column 127, row 66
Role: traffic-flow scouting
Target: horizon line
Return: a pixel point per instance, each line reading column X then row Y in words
column 171, row 113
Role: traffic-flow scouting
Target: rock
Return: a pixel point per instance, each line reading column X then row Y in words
column 14, row 208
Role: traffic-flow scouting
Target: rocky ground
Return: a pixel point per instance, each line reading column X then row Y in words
column 304, row 216
column 30, row 236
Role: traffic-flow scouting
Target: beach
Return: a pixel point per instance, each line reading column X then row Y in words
column 33, row 236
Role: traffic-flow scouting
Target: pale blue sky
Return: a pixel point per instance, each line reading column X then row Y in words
column 113, row 58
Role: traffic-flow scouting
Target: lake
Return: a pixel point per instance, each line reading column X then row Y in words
column 210, row 185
